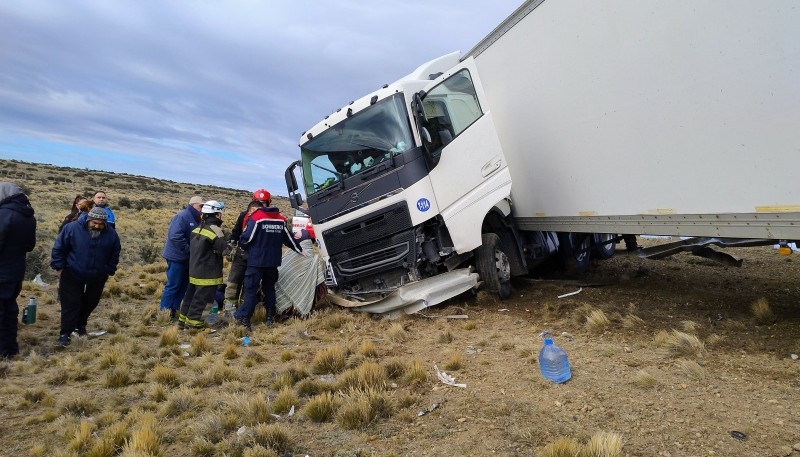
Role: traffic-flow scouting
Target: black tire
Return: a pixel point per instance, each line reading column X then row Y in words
column 602, row 249
column 574, row 252
column 493, row 265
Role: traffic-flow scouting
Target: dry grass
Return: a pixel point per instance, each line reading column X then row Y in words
column 367, row 349
column 332, row 359
column 117, row 377
column 762, row 312
column 680, row 344
column 200, row 344
column 165, row 375
column 597, row 322
column 692, row 369
column 562, row 447
column 272, row 436
column 455, row 363
column 169, row 337
column 366, row 376
column 603, row 444
column 445, row 337
column 284, row 402
column 632, row 321
column 360, row 408
column 397, row 333
column 644, row 380
column 144, row 439
column 321, row 408
column 251, row 409
column 416, row 374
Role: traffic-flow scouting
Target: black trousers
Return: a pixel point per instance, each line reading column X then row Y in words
column 9, row 291
column 78, row 300
column 195, row 301
column 236, row 275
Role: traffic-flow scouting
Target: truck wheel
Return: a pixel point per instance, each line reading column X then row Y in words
column 604, row 251
column 574, row 252
column 493, row 265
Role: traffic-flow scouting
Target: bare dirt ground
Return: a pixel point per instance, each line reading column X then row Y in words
column 664, row 393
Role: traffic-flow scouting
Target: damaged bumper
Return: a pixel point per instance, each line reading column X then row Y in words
column 416, row 296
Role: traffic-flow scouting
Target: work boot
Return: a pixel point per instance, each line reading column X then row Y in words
column 244, row 322
column 81, row 331
column 63, row 341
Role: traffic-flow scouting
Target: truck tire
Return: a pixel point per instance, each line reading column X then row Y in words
column 493, row 265
column 574, row 252
column 607, row 250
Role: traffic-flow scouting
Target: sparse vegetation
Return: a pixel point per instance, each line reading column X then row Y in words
column 362, row 385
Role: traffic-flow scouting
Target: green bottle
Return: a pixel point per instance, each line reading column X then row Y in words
column 29, row 312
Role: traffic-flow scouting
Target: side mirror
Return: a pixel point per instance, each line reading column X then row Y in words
column 291, row 185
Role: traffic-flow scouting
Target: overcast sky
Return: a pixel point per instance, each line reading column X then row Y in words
column 207, row 92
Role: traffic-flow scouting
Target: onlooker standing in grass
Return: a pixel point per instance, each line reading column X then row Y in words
column 239, row 260
column 79, row 206
column 17, row 237
column 206, row 246
column 263, row 236
column 101, row 200
column 85, row 254
column 176, row 252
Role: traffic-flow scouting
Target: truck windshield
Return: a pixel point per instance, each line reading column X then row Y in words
column 356, row 144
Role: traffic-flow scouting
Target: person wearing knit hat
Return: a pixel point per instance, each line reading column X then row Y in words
column 85, row 254
column 17, row 237
column 176, row 253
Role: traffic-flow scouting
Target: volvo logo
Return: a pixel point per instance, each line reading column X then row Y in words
column 354, row 197
column 423, row 204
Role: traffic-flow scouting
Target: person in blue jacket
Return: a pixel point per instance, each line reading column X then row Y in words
column 100, row 200
column 176, row 252
column 85, row 254
column 17, row 237
column 263, row 237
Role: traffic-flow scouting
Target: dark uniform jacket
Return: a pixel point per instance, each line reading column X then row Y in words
column 206, row 245
column 17, row 232
column 90, row 260
column 263, row 236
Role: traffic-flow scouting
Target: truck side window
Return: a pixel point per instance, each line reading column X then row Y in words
column 451, row 107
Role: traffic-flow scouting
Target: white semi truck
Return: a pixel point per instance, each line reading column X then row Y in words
column 571, row 119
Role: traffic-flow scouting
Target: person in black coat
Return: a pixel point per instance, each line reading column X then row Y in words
column 85, row 254
column 80, row 206
column 17, row 237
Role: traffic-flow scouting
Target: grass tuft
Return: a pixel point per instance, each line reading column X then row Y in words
column 169, row 337
column 445, row 337
column 454, row 363
column 562, row 447
column 397, row 333
column 329, row 360
column 416, row 374
column 200, row 344
column 680, row 344
column 762, row 312
column 271, row 436
column 644, row 380
column 692, row 369
column 321, row 408
column 365, row 376
column 165, row 375
column 360, row 408
column 117, row 377
column 603, row 444
column 368, row 349
column 83, row 436
column 597, row 322
column 284, row 401
column 144, row 439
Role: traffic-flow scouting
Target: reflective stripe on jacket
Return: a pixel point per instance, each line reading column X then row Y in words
column 206, row 245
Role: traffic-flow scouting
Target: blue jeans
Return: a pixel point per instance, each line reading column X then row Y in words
column 255, row 277
column 177, row 283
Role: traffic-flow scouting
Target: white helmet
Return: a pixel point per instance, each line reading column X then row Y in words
column 212, row 206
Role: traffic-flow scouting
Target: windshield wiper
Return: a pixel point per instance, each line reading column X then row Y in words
column 338, row 175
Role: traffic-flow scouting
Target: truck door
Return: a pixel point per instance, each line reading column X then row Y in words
column 469, row 172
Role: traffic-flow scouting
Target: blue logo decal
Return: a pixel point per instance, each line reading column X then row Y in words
column 423, row 204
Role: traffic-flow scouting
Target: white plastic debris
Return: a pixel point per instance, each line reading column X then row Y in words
column 241, row 430
column 185, row 346
column 580, row 289
column 447, row 379
column 38, row 280
column 502, row 310
column 291, row 411
column 98, row 333
column 793, row 356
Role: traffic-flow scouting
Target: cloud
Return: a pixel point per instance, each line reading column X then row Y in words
column 205, row 92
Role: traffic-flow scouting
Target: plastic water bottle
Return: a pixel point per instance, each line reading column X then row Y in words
column 29, row 312
column 213, row 315
column 245, row 341
column 553, row 361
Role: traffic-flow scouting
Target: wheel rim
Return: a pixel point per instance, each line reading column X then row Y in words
column 583, row 256
column 503, row 265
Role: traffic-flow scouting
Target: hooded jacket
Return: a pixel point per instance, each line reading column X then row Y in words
column 17, row 232
column 176, row 249
column 263, row 236
column 90, row 260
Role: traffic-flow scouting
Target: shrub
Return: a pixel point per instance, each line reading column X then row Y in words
column 124, row 202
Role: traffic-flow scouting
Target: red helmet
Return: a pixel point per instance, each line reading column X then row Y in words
column 261, row 195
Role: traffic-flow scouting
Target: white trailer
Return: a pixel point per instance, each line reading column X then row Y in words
column 571, row 118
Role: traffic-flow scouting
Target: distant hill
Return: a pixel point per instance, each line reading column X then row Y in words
column 143, row 205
